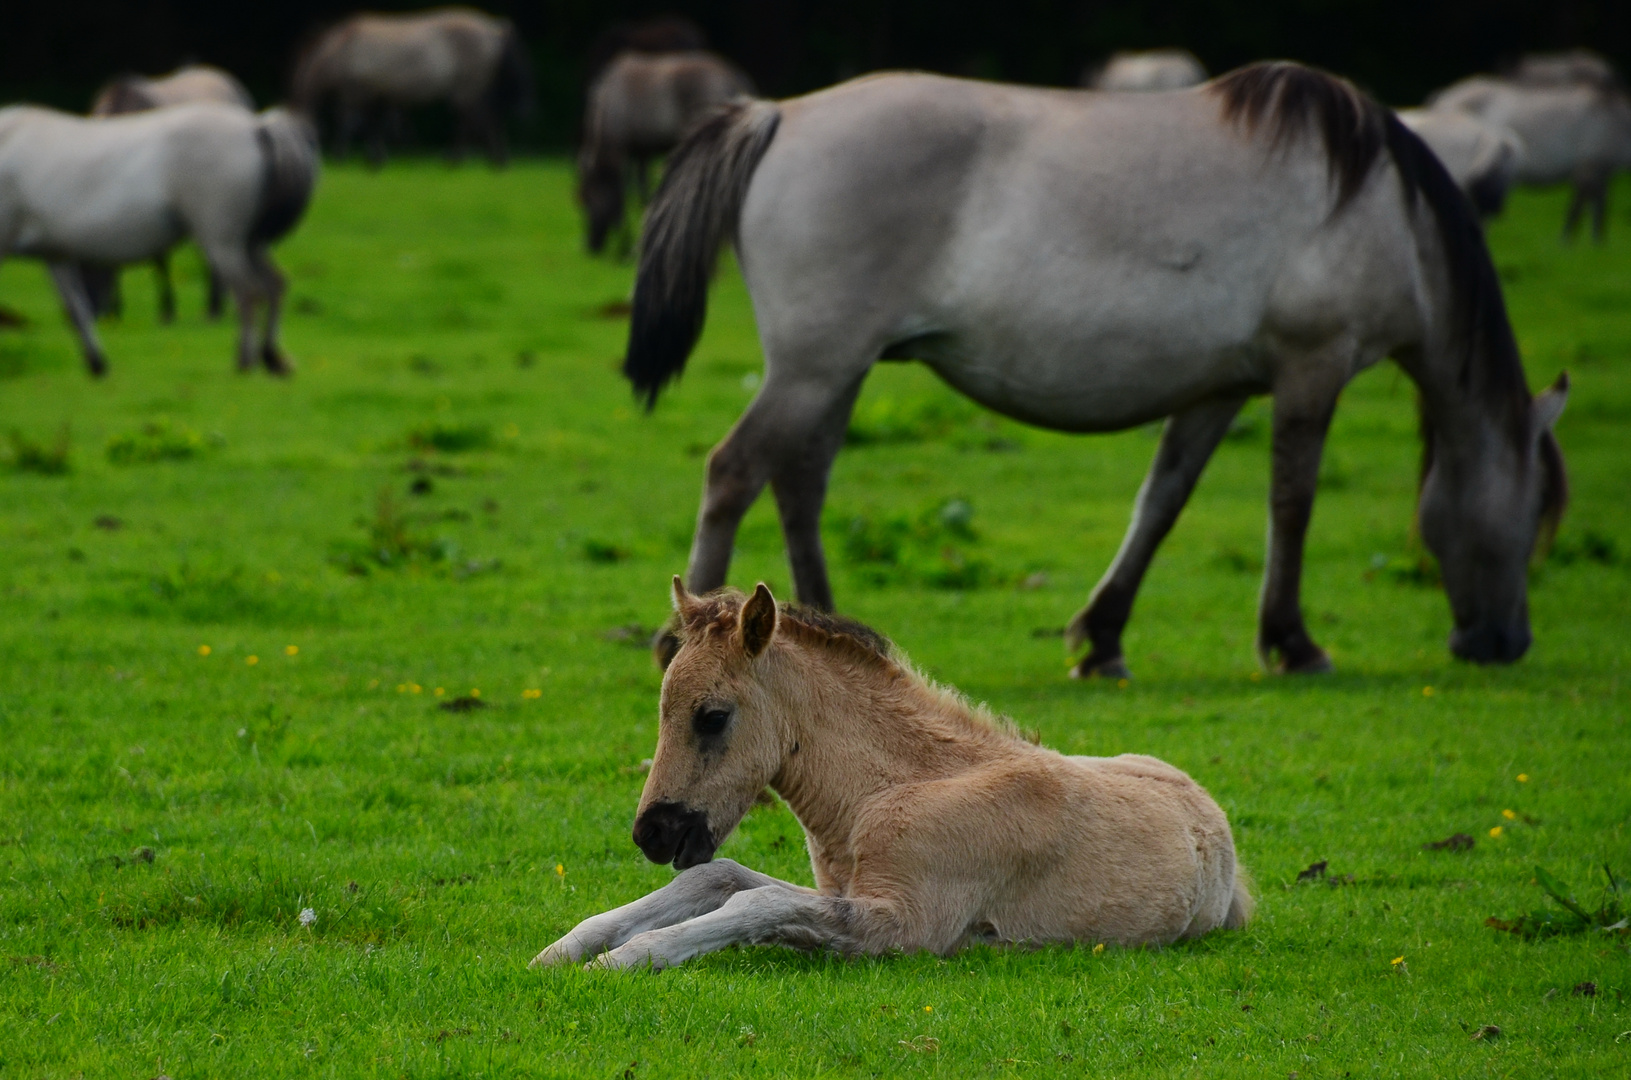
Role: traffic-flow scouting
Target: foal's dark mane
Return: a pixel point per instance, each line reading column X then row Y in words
column 717, row 613
column 1284, row 100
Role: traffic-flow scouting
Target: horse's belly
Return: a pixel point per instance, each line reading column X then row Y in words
column 114, row 235
column 1096, row 379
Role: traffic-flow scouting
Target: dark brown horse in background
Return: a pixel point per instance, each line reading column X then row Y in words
column 372, row 68
column 640, row 107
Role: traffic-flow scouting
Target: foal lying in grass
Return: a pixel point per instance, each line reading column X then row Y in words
column 930, row 824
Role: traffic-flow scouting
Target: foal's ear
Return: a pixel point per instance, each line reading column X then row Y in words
column 1549, row 405
column 758, row 621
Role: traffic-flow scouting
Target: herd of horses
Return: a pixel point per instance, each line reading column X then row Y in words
column 1156, row 247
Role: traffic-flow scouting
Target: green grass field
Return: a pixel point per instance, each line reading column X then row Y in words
column 227, row 629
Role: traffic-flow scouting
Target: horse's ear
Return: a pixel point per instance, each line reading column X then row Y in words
column 1549, row 405
column 758, row 620
column 684, row 602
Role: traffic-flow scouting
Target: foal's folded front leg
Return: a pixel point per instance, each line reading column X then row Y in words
column 693, row 892
column 772, row 915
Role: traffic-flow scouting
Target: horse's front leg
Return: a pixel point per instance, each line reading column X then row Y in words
column 1301, row 421
column 693, row 892
column 772, row 915
column 72, row 290
column 1187, row 443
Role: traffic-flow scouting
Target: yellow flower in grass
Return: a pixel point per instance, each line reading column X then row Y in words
column 1099, row 948
column 252, row 660
column 1523, row 778
column 528, row 695
column 1427, row 691
column 560, row 870
column 474, row 692
column 1509, row 815
column 439, row 691
column 291, row 650
column 928, row 1008
column 1495, row 833
column 203, row 650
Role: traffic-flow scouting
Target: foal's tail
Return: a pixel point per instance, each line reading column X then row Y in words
column 695, row 211
column 288, row 145
column 1242, row 904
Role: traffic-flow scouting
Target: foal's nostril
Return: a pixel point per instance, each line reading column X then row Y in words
column 673, row 832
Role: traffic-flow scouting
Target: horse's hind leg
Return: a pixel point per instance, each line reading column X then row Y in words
column 1301, row 421
column 1187, row 443
column 72, row 291
column 167, row 289
column 800, row 486
column 272, row 285
column 788, row 431
column 693, row 892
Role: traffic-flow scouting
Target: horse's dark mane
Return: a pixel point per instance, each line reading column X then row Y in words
column 1285, row 100
column 717, row 613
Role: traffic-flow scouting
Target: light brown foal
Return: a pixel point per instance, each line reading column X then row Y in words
column 930, row 823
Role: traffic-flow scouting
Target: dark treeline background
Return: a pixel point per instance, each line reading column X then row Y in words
column 59, row 52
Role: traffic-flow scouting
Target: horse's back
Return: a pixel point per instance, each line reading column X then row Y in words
column 121, row 188
column 1011, row 235
column 418, row 57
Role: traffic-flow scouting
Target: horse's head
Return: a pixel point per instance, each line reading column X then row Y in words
column 720, row 736
column 601, row 190
column 1482, row 515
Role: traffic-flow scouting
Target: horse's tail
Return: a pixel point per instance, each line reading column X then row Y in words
column 510, row 92
column 1242, row 904
column 695, row 211
column 288, row 146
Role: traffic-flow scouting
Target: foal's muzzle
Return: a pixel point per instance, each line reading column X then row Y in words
column 1490, row 644
column 673, row 832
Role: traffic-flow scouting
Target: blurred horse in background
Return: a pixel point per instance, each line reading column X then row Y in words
column 122, row 189
column 642, row 105
column 372, row 67
column 1157, row 69
column 138, row 93
column 663, row 34
column 1482, row 159
column 1573, row 118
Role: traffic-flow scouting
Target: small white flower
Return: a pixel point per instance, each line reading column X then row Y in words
column 307, row 916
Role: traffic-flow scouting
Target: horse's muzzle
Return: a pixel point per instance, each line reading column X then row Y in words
column 1490, row 644
column 673, row 832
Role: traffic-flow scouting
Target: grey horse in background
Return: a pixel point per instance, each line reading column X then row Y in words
column 1482, row 158
column 1576, row 132
column 1094, row 262
column 122, row 189
column 372, row 67
column 640, row 108
column 1156, row 69
column 138, row 93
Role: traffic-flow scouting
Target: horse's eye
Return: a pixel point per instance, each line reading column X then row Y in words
column 710, row 721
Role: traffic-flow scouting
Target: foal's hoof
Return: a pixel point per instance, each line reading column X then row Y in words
column 1094, row 666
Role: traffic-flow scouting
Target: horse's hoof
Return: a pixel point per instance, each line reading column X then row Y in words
column 276, row 363
column 98, row 366
column 1092, row 667
column 1315, row 662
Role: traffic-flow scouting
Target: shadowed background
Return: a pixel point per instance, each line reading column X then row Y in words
column 58, row 53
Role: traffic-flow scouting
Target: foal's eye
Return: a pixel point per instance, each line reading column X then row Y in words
column 710, row 720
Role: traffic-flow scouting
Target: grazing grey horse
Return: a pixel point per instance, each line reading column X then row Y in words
column 640, row 108
column 1157, row 69
column 1092, row 262
column 374, row 66
column 138, row 93
column 122, row 189
column 1482, row 159
column 1576, row 132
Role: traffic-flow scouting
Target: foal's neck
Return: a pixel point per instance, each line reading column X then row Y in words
column 857, row 729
